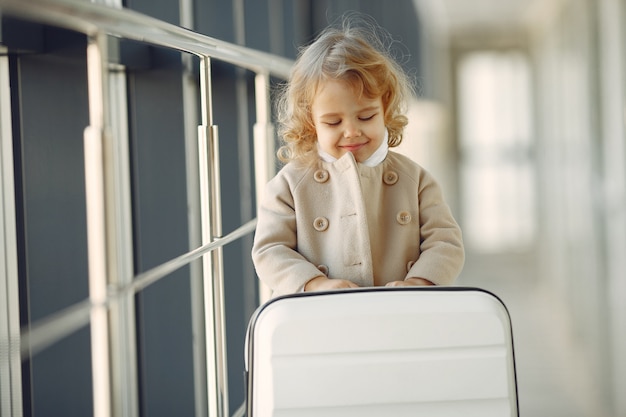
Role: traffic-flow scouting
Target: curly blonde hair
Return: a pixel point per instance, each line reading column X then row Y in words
column 352, row 53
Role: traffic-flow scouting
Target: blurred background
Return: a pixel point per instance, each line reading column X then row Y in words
column 520, row 114
column 531, row 97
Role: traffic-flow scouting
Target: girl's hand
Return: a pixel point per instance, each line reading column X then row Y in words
column 410, row 282
column 322, row 283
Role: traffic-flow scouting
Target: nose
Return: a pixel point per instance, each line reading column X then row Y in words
column 351, row 130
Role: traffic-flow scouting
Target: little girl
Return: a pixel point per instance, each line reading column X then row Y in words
column 345, row 211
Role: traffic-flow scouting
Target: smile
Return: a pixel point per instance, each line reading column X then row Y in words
column 353, row 147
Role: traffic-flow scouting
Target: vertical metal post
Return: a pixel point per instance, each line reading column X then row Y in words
column 109, row 225
column 264, row 148
column 213, row 273
column 190, row 102
column 97, row 168
column 122, row 321
column 10, row 364
column 122, row 325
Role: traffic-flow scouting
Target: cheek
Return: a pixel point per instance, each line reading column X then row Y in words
column 377, row 132
column 327, row 143
column 324, row 139
column 324, row 132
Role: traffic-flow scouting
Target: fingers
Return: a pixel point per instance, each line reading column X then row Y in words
column 419, row 282
column 316, row 283
column 322, row 283
column 336, row 284
column 410, row 282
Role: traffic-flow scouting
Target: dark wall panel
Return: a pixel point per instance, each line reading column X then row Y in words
column 53, row 104
column 48, row 85
column 215, row 18
column 160, row 233
column 166, row 10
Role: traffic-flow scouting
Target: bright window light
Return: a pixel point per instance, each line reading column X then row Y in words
column 495, row 133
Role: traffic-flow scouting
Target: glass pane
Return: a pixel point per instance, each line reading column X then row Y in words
column 495, row 135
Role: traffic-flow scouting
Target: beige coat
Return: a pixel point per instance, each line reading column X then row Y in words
column 369, row 225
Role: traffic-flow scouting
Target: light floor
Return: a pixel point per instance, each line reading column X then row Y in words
column 553, row 377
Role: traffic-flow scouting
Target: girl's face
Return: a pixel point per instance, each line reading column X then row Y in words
column 345, row 122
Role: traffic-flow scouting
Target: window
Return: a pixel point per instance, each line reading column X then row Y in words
column 495, row 128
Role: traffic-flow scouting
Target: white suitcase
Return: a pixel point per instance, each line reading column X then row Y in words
column 410, row 351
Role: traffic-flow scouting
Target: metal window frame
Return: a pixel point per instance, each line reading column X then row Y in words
column 10, row 362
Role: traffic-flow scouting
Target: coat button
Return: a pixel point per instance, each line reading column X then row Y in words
column 404, row 217
column 323, row 269
column 321, row 175
column 390, row 177
column 320, row 224
column 409, row 265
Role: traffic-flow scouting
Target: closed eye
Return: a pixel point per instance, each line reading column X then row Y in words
column 366, row 118
column 333, row 123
